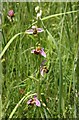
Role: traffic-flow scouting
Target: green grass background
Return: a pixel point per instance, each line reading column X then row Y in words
column 59, row 89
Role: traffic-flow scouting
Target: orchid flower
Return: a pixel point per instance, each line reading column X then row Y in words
column 33, row 101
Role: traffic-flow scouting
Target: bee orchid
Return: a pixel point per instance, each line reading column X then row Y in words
column 33, row 101
column 11, row 13
column 43, row 68
column 34, row 30
column 40, row 51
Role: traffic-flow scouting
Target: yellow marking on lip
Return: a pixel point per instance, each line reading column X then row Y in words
column 38, row 48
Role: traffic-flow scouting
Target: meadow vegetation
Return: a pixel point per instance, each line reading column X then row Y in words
column 58, row 89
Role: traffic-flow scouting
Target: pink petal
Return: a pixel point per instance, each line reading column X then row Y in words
column 37, row 102
column 29, row 101
column 11, row 13
column 30, row 31
column 39, row 30
column 33, row 51
column 42, row 73
column 43, row 53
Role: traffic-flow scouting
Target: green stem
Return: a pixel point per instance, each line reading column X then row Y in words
column 1, row 38
column 8, row 44
column 55, row 15
column 38, row 89
column 38, row 82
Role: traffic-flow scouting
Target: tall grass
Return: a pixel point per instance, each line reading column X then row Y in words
column 58, row 89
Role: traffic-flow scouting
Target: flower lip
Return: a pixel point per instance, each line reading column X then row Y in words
column 10, row 13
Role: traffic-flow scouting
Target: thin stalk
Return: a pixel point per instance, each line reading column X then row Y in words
column 60, row 108
column 38, row 76
column 38, row 89
column 55, row 15
column 0, row 61
column 8, row 44
column 74, row 90
column 77, row 67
